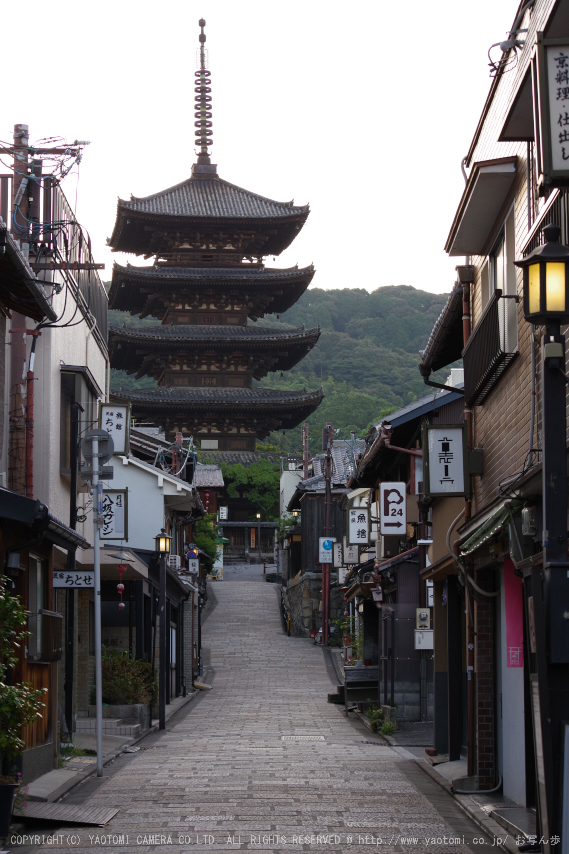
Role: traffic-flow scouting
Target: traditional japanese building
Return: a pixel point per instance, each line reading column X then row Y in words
column 208, row 239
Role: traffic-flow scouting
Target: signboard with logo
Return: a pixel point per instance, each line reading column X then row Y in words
column 325, row 549
column 445, row 461
column 115, row 420
column 393, row 509
column 358, row 525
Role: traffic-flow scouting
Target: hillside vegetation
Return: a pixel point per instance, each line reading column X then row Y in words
column 366, row 359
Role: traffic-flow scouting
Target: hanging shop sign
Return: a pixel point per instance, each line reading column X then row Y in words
column 338, row 555
column 358, row 525
column 550, row 80
column 325, row 549
column 445, row 460
column 116, row 421
column 351, row 553
column 393, row 509
column 114, row 514
column 73, row 579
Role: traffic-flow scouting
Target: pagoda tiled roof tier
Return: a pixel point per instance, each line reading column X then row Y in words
column 150, row 290
column 137, row 350
column 202, row 209
column 187, row 408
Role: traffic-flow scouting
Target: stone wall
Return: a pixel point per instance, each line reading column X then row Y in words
column 304, row 597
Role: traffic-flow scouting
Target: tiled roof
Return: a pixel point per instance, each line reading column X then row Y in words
column 212, row 334
column 251, row 274
column 344, row 452
column 446, row 339
column 208, row 475
column 218, row 396
column 245, row 458
column 211, row 198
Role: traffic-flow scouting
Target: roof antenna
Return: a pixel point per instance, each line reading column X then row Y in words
column 202, row 101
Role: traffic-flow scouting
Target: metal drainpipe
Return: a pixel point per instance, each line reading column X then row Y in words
column 471, row 698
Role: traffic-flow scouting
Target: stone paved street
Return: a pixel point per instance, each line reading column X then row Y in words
column 262, row 762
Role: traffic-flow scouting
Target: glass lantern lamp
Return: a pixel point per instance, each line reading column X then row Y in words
column 546, row 280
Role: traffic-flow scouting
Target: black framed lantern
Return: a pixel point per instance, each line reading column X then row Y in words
column 546, row 280
column 162, row 542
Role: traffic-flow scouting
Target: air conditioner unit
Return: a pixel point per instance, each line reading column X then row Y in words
column 174, row 561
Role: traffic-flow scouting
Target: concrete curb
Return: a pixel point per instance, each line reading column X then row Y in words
column 473, row 811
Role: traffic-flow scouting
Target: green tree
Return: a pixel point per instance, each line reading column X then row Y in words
column 259, row 482
column 205, row 537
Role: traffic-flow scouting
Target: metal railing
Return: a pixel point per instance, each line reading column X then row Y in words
column 490, row 348
column 555, row 209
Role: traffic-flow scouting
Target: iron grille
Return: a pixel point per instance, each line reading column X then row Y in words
column 487, row 355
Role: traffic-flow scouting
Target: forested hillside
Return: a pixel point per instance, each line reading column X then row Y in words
column 366, row 358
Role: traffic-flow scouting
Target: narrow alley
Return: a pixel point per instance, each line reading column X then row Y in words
column 280, row 769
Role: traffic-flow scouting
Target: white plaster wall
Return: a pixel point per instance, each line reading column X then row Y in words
column 288, row 484
column 145, row 502
column 511, row 687
column 74, row 345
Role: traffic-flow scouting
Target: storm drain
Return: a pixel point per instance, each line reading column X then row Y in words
column 303, row 738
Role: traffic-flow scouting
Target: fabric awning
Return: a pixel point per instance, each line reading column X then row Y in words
column 484, row 196
column 489, row 527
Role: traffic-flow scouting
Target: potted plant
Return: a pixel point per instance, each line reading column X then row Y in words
column 20, row 703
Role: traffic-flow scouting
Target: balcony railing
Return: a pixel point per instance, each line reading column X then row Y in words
column 491, row 348
column 45, row 641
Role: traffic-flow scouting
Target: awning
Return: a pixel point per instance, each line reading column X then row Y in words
column 446, row 340
column 489, row 527
column 36, row 516
column 518, row 126
column 135, row 568
column 484, row 197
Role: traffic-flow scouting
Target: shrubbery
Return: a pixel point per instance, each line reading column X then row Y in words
column 126, row 680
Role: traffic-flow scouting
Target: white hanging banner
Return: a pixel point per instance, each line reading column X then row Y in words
column 114, row 515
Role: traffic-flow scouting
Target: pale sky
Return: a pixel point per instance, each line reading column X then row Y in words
column 364, row 110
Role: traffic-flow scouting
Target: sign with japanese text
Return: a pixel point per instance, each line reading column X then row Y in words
column 73, row 579
column 224, row 513
column 550, row 76
column 445, row 458
column 338, row 555
column 194, row 565
column 325, row 549
column 114, row 515
column 351, row 553
column 393, row 509
column 358, row 525
column 116, row 420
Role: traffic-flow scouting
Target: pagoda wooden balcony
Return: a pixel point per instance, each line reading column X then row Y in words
column 491, row 348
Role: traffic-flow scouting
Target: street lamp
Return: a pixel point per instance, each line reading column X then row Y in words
column 162, row 545
column 259, row 537
column 546, row 302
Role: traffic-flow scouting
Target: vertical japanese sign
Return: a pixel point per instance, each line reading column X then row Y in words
column 358, row 525
column 393, row 509
column 445, row 461
column 114, row 514
column 558, row 96
column 338, row 556
column 550, row 82
column 116, row 420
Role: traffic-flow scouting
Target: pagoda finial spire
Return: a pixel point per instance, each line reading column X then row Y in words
column 202, row 114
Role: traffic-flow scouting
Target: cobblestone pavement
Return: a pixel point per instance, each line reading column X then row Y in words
column 263, row 763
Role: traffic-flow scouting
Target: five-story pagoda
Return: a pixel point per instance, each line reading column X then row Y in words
column 208, row 238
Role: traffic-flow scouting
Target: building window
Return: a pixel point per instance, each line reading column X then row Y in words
column 208, row 318
column 209, row 380
column 77, row 388
column 37, row 596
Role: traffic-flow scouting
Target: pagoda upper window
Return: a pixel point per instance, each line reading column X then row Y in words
column 209, row 380
column 208, row 318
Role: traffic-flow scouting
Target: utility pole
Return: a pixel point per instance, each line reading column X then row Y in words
column 305, row 451
column 327, row 441
column 19, row 228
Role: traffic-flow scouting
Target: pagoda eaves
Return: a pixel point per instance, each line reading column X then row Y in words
column 258, row 290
